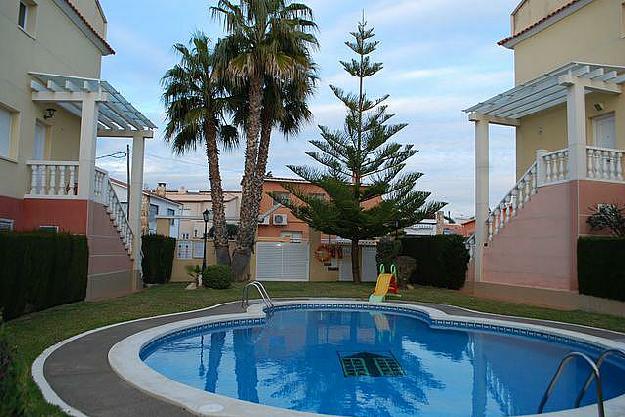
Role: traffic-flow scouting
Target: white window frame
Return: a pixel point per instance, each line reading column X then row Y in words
column 184, row 249
column 198, row 253
column 623, row 19
column 14, row 122
column 7, row 225
column 30, row 17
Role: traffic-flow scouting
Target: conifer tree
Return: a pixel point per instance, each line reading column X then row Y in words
column 361, row 169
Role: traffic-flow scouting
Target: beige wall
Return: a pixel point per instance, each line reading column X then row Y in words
column 572, row 40
column 57, row 46
column 91, row 10
column 531, row 11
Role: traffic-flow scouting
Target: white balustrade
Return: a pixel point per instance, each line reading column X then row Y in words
column 555, row 165
column 108, row 197
column 604, row 164
column 510, row 205
column 53, row 178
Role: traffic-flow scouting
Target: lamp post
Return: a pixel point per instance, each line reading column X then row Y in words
column 207, row 217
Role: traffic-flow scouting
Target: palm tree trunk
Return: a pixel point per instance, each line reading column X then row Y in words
column 222, row 251
column 248, row 218
column 261, row 163
column 355, row 261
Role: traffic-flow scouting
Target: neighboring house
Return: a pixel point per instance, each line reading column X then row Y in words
column 440, row 225
column 53, row 106
column 153, row 207
column 193, row 205
column 569, row 113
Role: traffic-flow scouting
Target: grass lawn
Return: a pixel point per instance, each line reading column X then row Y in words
column 31, row 334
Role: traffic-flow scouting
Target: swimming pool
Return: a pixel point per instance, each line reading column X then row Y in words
column 350, row 359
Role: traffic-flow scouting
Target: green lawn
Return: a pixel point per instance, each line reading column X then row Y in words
column 31, row 334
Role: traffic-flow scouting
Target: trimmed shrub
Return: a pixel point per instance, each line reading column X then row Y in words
column 387, row 251
column 12, row 399
column 601, row 267
column 442, row 260
column 41, row 270
column 158, row 258
column 218, row 277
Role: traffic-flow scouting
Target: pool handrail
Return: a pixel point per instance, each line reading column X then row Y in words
column 590, row 378
column 264, row 295
column 594, row 372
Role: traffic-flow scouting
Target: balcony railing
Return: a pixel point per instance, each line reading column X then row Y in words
column 53, row 179
column 604, row 164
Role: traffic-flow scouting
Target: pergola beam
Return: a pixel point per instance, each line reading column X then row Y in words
column 495, row 120
column 125, row 133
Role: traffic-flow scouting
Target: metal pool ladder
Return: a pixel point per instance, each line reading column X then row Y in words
column 590, row 378
column 245, row 296
column 594, row 374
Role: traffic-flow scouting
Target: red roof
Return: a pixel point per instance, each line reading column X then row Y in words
column 75, row 9
column 532, row 26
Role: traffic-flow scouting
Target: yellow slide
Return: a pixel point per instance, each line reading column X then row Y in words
column 381, row 288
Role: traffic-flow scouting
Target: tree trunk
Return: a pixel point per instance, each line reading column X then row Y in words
column 217, row 197
column 261, row 163
column 356, row 261
column 248, row 218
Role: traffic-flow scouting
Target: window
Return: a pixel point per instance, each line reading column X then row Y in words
column 281, row 197
column 184, row 250
column 171, row 212
column 23, row 16
column 623, row 19
column 295, row 237
column 6, row 132
column 49, row 229
column 27, row 16
column 321, row 196
column 153, row 213
column 6, row 225
column 198, row 249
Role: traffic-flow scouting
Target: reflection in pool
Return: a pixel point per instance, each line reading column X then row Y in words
column 294, row 361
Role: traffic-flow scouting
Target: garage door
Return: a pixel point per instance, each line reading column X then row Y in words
column 368, row 269
column 281, row 261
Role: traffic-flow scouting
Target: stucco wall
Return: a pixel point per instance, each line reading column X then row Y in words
column 531, row 11
column 571, row 39
column 57, row 47
column 537, row 248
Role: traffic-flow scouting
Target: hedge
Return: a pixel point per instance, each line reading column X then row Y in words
column 158, row 258
column 442, row 260
column 41, row 270
column 12, row 395
column 601, row 267
column 217, row 277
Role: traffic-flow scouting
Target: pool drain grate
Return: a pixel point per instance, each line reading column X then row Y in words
column 370, row 364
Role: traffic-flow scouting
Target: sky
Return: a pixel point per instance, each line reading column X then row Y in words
column 439, row 56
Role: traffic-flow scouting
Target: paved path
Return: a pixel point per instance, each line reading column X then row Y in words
column 80, row 374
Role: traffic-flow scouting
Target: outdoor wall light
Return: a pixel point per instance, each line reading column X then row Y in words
column 49, row 113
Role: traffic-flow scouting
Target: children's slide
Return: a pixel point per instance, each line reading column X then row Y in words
column 385, row 284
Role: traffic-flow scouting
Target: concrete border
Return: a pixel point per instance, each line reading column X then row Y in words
column 125, row 361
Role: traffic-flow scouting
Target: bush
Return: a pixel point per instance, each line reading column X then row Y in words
column 231, row 231
column 218, row 277
column 158, row 258
column 41, row 270
column 387, row 251
column 442, row 260
column 601, row 267
column 11, row 395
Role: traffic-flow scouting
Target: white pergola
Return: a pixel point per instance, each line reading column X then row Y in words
column 104, row 112
column 568, row 84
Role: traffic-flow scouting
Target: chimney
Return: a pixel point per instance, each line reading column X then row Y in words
column 161, row 190
column 182, row 190
column 440, row 222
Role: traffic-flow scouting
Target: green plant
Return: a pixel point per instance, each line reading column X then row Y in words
column 609, row 217
column 158, row 257
column 195, row 100
column 387, row 250
column 362, row 169
column 11, row 390
column 231, row 231
column 41, row 270
column 195, row 272
column 601, row 267
column 218, row 277
column 267, row 43
column 442, row 260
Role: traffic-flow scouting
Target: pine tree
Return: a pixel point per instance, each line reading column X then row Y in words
column 361, row 173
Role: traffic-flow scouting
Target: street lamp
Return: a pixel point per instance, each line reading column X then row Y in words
column 207, row 214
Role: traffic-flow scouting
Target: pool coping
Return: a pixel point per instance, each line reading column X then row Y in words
column 124, row 357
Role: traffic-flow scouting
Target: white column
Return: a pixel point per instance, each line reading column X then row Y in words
column 88, row 136
column 481, row 192
column 134, row 205
column 576, row 128
column 540, row 167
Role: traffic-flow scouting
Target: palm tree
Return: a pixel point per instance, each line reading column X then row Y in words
column 195, row 100
column 267, row 40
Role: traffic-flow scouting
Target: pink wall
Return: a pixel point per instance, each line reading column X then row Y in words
column 537, row 247
column 106, row 249
column 592, row 193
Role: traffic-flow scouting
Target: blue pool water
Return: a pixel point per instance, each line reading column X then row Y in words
column 298, row 360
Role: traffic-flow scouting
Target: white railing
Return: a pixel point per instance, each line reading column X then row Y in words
column 117, row 213
column 53, row 178
column 604, row 164
column 508, row 208
column 553, row 166
column 469, row 244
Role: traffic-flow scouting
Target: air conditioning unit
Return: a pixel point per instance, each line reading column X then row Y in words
column 49, row 229
column 263, row 220
column 280, row 219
